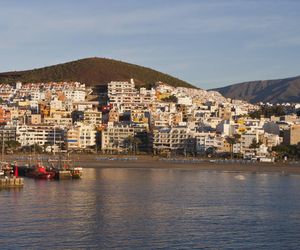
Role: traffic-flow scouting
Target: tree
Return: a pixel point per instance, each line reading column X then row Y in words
column 292, row 151
column 231, row 141
column 254, row 144
column 128, row 143
column 268, row 111
column 136, row 143
column 211, row 151
column 37, row 148
column 12, row 145
column 170, row 98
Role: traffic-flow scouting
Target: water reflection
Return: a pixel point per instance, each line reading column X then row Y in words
column 153, row 208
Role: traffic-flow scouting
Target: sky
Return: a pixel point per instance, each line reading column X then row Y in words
column 204, row 42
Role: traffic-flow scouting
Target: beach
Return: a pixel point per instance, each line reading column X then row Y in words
column 131, row 161
column 158, row 163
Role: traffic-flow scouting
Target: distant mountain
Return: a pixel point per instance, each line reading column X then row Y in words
column 93, row 71
column 272, row 91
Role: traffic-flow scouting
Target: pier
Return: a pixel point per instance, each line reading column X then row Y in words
column 12, row 182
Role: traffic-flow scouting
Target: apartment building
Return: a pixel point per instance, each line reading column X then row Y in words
column 172, row 139
column 80, row 136
column 7, row 133
column 247, row 139
column 41, row 134
column 93, row 117
column 291, row 135
column 121, row 137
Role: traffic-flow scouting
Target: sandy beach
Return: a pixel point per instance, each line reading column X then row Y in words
column 126, row 161
column 156, row 163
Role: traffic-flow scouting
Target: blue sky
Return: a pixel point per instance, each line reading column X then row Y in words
column 207, row 43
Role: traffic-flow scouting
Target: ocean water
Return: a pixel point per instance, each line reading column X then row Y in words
column 153, row 209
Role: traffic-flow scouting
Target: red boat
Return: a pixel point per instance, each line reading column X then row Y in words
column 40, row 172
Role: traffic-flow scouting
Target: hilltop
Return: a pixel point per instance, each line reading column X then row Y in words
column 272, row 91
column 93, row 72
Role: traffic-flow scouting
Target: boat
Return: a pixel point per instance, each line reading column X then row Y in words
column 39, row 172
column 6, row 169
column 64, row 169
column 76, row 172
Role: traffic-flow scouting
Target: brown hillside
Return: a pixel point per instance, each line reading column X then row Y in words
column 93, row 71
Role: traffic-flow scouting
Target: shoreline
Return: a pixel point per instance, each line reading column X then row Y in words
column 184, row 164
column 233, row 168
column 179, row 163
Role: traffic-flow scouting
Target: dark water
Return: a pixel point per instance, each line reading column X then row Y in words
column 144, row 208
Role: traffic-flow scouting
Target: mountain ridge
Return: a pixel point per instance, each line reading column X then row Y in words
column 93, row 71
column 272, row 91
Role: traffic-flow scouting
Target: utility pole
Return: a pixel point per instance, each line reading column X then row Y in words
column 2, row 157
column 54, row 142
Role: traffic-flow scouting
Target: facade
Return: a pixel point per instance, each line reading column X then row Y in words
column 113, row 138
column 7, row 133
column 29, row 135
column 80, row 136
column 124, row 138
column 292, row 135
column 93, row 117
column 174, row 139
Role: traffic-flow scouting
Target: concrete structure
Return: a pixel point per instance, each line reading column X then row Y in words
column 174, row 139
column 292, row 135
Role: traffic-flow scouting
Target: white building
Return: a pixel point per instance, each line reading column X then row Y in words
column 170, row 139
column 81, row 136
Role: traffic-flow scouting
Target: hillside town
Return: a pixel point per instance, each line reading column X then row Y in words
column 168, row 121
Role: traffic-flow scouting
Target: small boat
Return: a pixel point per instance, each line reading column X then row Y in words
column 64, row 170
column 40, row 172
column 6, row 169
column 76, row 172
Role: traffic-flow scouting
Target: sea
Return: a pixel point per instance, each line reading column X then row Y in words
column 143, row 208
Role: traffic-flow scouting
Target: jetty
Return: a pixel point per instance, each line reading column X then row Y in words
column 11, row 182
column 9, row 176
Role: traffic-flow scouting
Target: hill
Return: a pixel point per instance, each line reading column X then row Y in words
column 94, row 72
column 272, row 91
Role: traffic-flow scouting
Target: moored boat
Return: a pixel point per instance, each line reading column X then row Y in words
column 39, row 172
column 76, row 172
column 64, row 170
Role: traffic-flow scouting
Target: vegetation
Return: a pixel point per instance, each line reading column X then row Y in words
column 12, row 145
column 255, row 144
column 132, row 143
column 291, row 151
column 268, row 111
column 170, row 98
column 93, row 71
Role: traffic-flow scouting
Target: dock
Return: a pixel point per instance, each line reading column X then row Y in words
column 11, row 182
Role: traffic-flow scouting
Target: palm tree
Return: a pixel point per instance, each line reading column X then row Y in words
column 128, row 142
column 136, row 142
column 231, row 141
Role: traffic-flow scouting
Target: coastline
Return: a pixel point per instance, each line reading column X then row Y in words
column 150, row 162
column 184, row 164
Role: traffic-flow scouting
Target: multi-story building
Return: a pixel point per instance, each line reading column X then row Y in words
column 36, row 119
column 120, row 137
column 292, row 135
column 116, row 89
column 93, row 117
column 247, row 139
column 4, row 116
column 81, row 136
column 75, row 95
column 172, row 139
column 28, row 135
column 7, row 133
